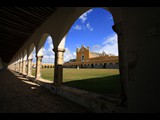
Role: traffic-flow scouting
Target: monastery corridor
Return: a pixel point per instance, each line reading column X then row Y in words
column 19, row 95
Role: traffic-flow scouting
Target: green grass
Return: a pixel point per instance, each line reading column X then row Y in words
column 33, row 71
column 102, row 81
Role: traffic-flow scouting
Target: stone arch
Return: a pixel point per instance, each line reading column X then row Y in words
column 41, row 44
column 62, row 42
column 105, row 65
column 31, row 48
column 111, row 65
column 115, row 12
column 100, row 65
column 25, row 55
column 92, row 65
column 21, row 56
column 116, row 65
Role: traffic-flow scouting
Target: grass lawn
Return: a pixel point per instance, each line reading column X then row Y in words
column 102, row 81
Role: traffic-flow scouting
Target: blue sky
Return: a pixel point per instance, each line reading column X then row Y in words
column 93, row 29
column 97, row 25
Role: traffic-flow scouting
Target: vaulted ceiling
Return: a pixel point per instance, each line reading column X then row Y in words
column 17, row 24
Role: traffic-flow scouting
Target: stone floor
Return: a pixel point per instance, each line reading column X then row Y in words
column 19, row 95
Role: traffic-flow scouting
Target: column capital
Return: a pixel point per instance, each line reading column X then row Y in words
column 39, row 56
column 30, row 59
column 118, row 28
column 59, row 50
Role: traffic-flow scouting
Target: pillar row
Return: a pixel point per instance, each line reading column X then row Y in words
column 38, row 66
column 58, row 69
column 14, row 66
column 118, row 28
column 21, row 66
column 18, row 66
column 29, row 69
column 24, row 67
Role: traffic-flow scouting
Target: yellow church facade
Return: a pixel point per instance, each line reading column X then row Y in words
column 87, row 59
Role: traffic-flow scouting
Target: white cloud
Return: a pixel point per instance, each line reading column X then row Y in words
column 51, row 46
column 69, row 55
column 48, row 56
column 110, row 40
column 109, row 46
column 83, row 17
column 89, row 27
column 34, row 55
column 77, row 27
column 74, row 53
column 83, row 27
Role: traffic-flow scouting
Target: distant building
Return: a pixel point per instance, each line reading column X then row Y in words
column 44, row 65
column 87, row 59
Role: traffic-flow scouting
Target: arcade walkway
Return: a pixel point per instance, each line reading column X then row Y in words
column 19, row 95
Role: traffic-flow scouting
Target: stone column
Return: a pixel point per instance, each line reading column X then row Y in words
column 38, row 66
column 19, row 66
column 123, row 69
column 29, row 67
column 24, row 67
column 14, row 67
column 58, row 69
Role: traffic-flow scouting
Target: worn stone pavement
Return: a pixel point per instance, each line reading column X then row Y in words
column 19, row 95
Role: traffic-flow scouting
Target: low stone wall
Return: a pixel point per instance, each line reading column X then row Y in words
column 93, row 102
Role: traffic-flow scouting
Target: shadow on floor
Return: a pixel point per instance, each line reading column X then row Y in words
column 19, row 95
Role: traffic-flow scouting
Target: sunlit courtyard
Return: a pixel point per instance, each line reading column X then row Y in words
column 101, row 81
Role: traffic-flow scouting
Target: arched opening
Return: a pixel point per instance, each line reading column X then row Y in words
column 25, row 61
column 92, row 66
column 31, row 64
column 45, row 49
column 117, row 65
column 111, row 66
column 96, row 46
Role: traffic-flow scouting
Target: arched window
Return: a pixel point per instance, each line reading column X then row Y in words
column 82, row 58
